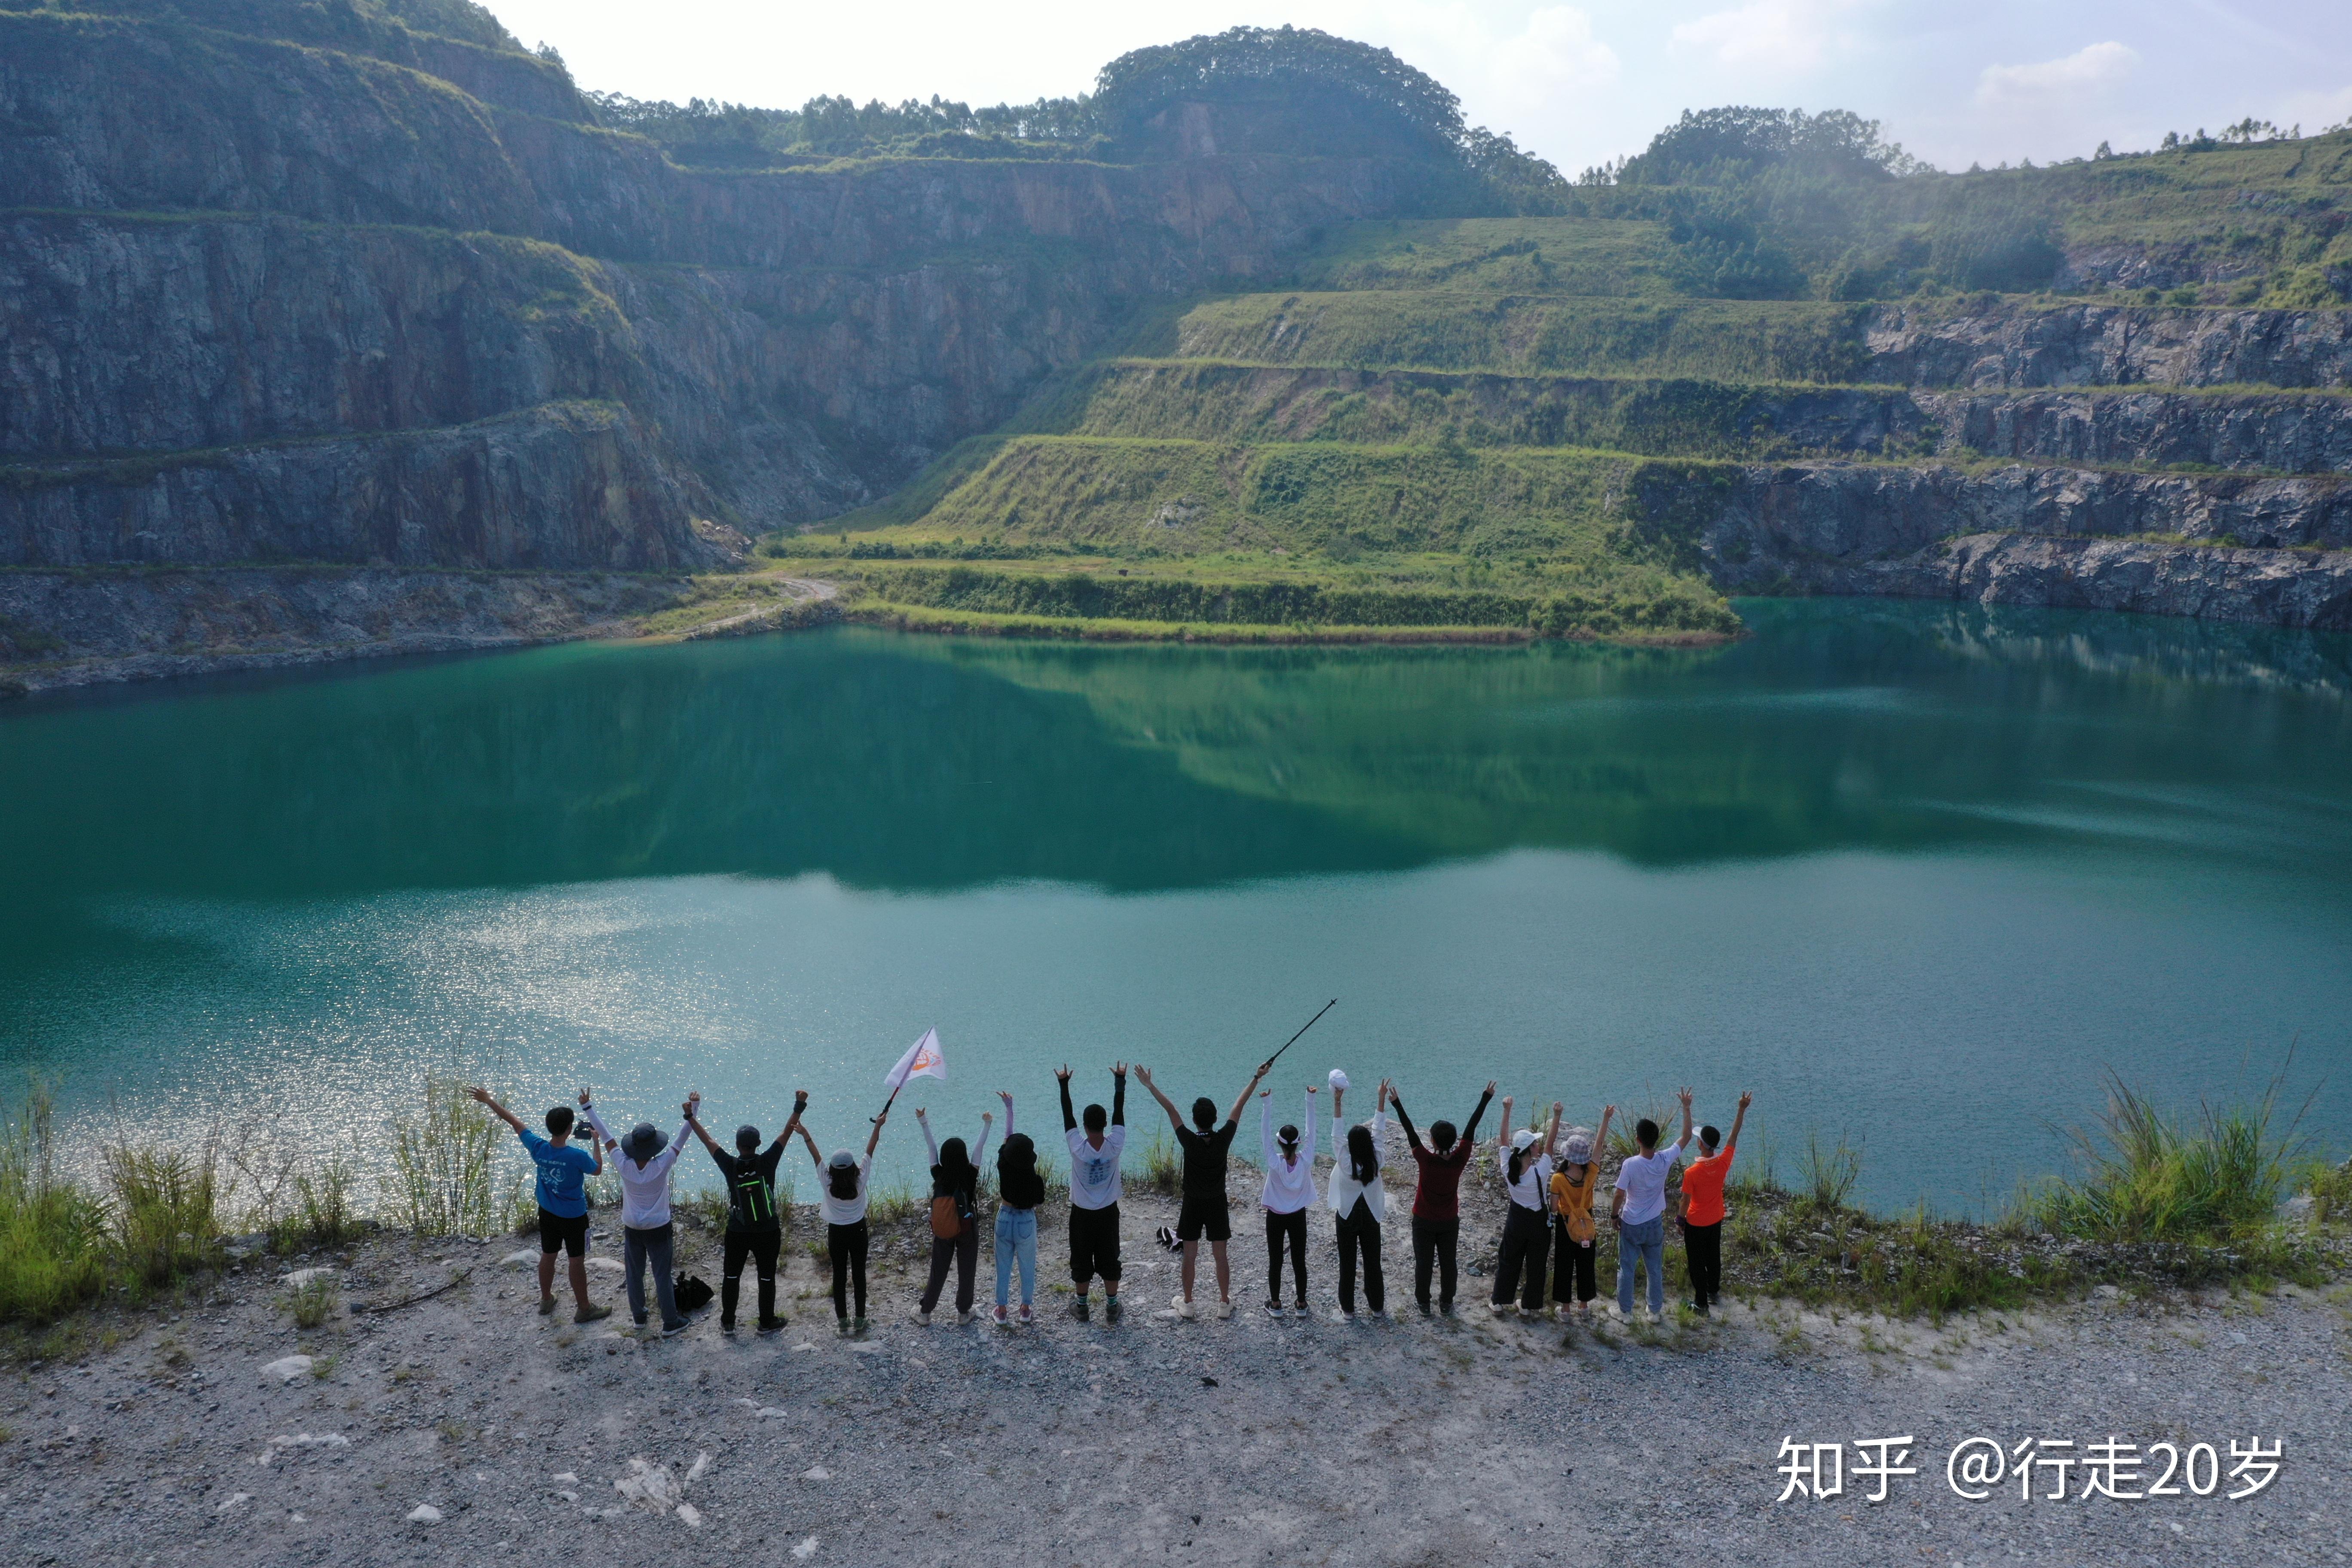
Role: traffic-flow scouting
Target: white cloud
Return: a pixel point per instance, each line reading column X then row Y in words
column 2087, row 70
column 1556, row 49
column 1779, row 34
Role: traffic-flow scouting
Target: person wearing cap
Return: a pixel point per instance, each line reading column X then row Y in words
column 842, row 1194
column 1526, row 1233
column 1576, row 1240
column 754, row 1228
column 1702, row 1216
column 644, row 1168
column 563, row 1171
column 1638, row 1204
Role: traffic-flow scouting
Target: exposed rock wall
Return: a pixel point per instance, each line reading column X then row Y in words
column 563, row 486
column 2274, row 587
column 2021, row 344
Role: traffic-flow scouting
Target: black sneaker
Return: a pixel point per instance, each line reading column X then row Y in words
column 726, row 1325
column 772, row 1325
column 1080, row 1311
column 1113, row 1311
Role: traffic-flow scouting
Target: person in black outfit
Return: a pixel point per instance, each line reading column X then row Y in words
column 753, row 1225
column 1203, row 1212
column 1437, row 1197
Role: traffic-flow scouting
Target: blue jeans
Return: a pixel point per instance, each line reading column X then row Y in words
column 1646, row 1242
column 1017, row 1238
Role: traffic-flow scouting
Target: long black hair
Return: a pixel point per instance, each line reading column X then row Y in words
column 1363, row 1156
column 955, row 1171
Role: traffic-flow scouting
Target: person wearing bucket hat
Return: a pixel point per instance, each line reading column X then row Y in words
column 646, row 1238
column 1576, row 1240
column 1526, row 1234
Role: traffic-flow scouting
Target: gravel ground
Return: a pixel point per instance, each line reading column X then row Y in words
column 1253, row 1440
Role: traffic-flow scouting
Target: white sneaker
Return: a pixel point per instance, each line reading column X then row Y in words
column 1224, row 1308
column 1027, row 1316
column 967, row 1316
column 1002, row 1320
column 1182, row 1308
column 1657, row 1318
column 921, row 1317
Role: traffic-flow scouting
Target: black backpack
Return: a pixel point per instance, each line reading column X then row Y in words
column 755, row 1201
column 1017, row 1181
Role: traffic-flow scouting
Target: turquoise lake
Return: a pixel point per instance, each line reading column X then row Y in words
column 1917, row 873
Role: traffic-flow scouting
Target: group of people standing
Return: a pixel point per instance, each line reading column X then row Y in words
column 1551, row 1180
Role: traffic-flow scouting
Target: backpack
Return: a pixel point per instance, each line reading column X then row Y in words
column 691, row 1293
column 951, row 1206
column 1018, row 1185
column 755, row 1201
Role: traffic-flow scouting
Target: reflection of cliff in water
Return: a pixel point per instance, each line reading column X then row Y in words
column 919, row 764
column 1882, row 724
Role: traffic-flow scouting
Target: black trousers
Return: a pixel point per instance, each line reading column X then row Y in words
column 1291, row 1229
column 1526, row 1243
column 845, row 1245
column 1702, row 1245
column 963, row 1250
column 1434, row 1241
column 763, row 1242
column 1573, row 1263
column 1359, row 1237
column 1094, row 1245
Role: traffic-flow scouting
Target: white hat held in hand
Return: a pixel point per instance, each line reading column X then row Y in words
column 1338, row 1079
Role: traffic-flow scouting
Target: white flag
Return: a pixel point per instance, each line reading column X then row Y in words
column 924, row 1058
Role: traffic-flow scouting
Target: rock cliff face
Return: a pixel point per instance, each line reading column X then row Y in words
column 216, row 243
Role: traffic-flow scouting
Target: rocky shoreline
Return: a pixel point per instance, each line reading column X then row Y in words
column 463, row 1424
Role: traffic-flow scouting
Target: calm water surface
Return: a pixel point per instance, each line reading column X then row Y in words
column 1915, row 872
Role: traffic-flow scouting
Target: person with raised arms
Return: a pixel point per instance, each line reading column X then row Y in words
column 1576, row 1238
column 1702, row 1216
column 1204, row 1211
column 1638, row 1204
column 646, row 1235
column 1437, row 1197
column 1095, row 1194
column 754, row 1228
column 1019, row 1192
column 843, row 1183
column 563, row 1169
column 1358, row 1201
column 1526, row 1230
column 955, row 1215
column 1288, row 1194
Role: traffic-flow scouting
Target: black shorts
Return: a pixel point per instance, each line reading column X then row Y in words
column 563, row 1233
column 1094, row 1244
column 1204, row 1216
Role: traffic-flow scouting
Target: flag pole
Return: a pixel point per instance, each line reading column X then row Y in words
column 1302, row 1029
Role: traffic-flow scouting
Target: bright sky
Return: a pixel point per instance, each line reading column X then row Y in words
column 1954, row 80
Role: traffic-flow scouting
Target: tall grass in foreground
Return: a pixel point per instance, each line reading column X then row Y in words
column 163, row 1205
column 2148, row 1177
column 444, row 1166
column 50, row 1230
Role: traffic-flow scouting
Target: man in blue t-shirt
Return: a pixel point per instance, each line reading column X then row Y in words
column 563, row 1172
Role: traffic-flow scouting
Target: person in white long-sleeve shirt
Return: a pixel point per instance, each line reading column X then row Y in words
column 1289, row 1193
column 1359, row 1202
column 843, row 1183
column 644, row 1168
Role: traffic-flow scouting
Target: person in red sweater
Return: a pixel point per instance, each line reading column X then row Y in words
column 1702, row 1211
column 1437, row 1197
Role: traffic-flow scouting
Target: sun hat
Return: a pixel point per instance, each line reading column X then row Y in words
column 642, row 1141
column 1338, row 1079
column 1579, row 1146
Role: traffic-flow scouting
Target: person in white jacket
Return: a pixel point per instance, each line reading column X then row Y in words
column 1289, row 1193
column 644, row 1168
column 1359, row 1202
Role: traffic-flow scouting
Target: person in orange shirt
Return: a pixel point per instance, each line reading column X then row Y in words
column 1702, row 1211
column 1577, row 1243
